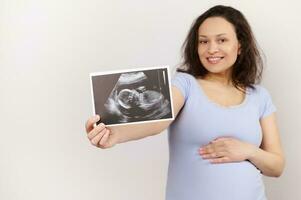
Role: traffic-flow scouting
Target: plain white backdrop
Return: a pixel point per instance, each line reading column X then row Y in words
column 49, row 47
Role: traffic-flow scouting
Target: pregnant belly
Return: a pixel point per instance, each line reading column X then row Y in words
column 199, row 179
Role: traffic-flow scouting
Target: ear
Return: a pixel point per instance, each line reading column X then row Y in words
column 239, row 49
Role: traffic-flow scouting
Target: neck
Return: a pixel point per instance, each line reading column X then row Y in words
column 223, row 78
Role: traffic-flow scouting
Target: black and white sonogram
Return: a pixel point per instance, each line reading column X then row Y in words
column 132, row 96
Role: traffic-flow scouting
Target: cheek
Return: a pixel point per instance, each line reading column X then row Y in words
column 232, row 52
column 230, row 48
column 201, row 52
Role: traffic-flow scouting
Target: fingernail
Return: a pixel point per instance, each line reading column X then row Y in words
column 97, row 117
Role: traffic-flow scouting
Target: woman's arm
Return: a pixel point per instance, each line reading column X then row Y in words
column 105, row 137
column 269, row 157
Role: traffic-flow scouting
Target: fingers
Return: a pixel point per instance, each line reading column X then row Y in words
column 104, row 139
column 100, row 127
column 213, row 155
column 91, row 121
column 222, row 150
column 99, row 136
column 216, row 149
column 96, row 139
column 219, row 144
column 220, row 160
column 211, row 148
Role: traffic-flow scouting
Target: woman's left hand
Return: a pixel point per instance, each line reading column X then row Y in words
column 225, row 150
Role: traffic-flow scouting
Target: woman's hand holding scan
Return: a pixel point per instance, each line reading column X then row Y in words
column 100, row 135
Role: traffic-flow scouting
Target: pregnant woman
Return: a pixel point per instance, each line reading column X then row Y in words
column 224, row 136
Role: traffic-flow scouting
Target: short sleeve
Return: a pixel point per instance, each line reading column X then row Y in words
column 182, row 82
column 267, row 106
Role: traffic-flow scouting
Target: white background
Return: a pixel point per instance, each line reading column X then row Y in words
column 49, row 47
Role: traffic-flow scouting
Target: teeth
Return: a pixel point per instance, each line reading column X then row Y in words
column 214, row 59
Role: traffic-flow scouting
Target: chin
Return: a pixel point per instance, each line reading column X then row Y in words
column 216, row 70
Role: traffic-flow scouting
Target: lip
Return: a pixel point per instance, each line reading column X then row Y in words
column 214, row 59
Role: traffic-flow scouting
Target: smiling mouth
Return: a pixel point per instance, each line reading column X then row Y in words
column 214, row 59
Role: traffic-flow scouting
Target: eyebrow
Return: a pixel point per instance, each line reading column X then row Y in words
column 216, row 35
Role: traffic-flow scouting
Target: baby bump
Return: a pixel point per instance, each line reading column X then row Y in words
column 193, row 175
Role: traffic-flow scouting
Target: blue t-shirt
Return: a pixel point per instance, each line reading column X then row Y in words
column 200, row 121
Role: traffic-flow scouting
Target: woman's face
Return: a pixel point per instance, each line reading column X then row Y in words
column 218, row 46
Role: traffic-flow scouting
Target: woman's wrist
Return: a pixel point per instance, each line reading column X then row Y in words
column 117, row 136
column 253, row 150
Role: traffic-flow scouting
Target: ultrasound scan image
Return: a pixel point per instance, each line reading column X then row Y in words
column 138, row 96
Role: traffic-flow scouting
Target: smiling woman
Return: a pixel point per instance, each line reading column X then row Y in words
column 225, row 134
column 234, row 122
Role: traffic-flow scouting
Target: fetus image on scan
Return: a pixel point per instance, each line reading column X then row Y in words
column 138, row 96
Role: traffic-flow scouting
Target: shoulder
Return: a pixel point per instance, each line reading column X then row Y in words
column 260, row 90
column 183, row 82
column 183, row 75
column 259, row 94
column 264, row 100
column 183, row 78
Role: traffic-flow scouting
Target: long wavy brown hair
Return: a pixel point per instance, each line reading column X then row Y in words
column 247, row 70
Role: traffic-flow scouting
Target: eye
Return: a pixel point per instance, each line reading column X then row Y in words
column 203, row 42
column 222, row 40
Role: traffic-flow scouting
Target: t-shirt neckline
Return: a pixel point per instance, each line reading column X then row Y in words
column 219, row 105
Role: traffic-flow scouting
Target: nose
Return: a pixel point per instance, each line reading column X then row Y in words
column 213, row 47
